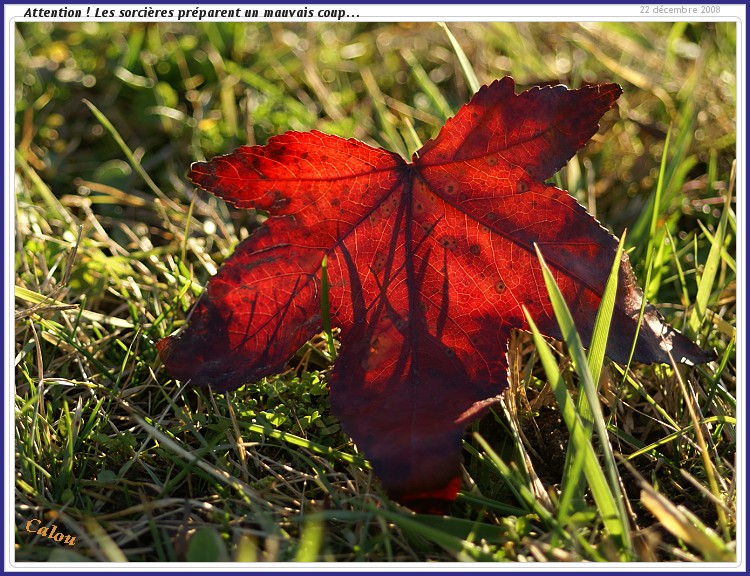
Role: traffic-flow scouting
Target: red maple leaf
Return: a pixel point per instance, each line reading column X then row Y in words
column 429, row 265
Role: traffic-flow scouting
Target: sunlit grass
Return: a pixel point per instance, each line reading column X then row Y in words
column 113, row 245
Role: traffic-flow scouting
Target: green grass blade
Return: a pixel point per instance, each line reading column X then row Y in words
column 608, row 505
column 410, row 135
column 206, row 545
column 679, row 434
column 572, row 480
column 104, row 121
column 706, row 284
column 392, row 136
column 463, row 549
column 725, row 255
column 600, row 334
column 325, row 308
column 294, row 440
column 685, row 525
column 311, row 541
column 675, row 173
column 678, row 267
column 654, row 238
column 426, row 84
column 580, row 362
column 713, row 387
column 463, row 61
column 188, row 457
column 53, row 205
column 502, row 508
column 516, row 482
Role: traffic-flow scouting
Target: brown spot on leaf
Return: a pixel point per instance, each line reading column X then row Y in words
column 279, row 200
column 389, row 206
column 448, row 242
column 379, row 263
